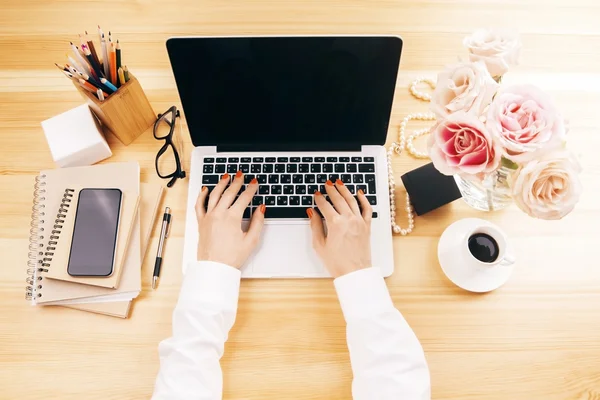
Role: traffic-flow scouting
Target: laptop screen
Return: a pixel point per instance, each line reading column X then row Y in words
column 286, row 93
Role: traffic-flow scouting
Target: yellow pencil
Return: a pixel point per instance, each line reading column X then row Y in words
column 121, row 76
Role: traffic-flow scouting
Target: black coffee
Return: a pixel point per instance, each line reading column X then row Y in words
column 484, row 247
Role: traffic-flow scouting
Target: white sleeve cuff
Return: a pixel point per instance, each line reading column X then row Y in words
column 362, row 293
column 210, row 281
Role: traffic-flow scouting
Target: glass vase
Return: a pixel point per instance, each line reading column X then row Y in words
column 488, row 193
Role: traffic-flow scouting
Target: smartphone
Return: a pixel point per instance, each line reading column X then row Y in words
column 95, row 233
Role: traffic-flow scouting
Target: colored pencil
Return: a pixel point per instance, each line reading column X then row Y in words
column 72, row 70
column 70, row 76
column 109, row 85
column 88, row 86
column 62, row 68
column 101, row 71
column 106, row 64
column 121, row 76
column 100, row 34
column 93, row 63
column 81, row 58
column 93, row 81
column 92, row 48
column 76, row 64
column 118, row 51
column 82, row 41
column 113, row 64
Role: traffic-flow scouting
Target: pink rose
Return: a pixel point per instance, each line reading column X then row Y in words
column 463, row 87
column 460, row 144
column 497, row 49
column 526, row 122
column 548, row 187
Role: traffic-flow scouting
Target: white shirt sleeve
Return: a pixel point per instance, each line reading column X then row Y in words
column 205, row 312
column 387, row 359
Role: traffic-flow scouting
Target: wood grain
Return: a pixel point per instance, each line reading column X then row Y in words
column 127, row 113
column 536, row 338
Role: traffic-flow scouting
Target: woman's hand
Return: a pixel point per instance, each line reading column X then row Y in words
column 221, row 238
column 347, row 246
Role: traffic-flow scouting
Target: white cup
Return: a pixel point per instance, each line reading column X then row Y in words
column 463, row 268
column 503, row 259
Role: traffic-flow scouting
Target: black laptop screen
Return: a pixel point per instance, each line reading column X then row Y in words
column 294, row 93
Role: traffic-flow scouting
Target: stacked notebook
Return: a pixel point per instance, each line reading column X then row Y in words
column 55, row 203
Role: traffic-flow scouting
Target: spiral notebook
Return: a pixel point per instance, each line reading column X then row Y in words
column 58, row 266
column 47, row 225
column 150, row 200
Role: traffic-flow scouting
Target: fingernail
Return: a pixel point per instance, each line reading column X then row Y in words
column 263, row 208
column 225, row 176
column 309, row 212
column 360, row 191
column 339, row 182
column 317, row 193
column 254, row 181
column 204, row 188
column 329, row 182
column 238, row 174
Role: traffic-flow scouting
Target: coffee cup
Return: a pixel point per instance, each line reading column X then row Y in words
column 487, row 245
column 475, row 255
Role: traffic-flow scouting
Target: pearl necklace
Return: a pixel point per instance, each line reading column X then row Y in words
column 399, row 146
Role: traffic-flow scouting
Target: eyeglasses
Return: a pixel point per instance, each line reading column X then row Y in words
column 168, row 163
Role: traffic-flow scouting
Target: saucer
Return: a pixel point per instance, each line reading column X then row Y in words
column 462, row 272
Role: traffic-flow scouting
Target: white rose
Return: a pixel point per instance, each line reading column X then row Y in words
column 549, row 187
column 497, row 49
column 464, row 87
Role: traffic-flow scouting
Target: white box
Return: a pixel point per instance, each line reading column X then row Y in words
column 75, row 138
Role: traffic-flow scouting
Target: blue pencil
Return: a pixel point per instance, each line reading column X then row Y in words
column 109, row 85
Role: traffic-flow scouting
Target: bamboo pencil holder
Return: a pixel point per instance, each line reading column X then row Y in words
column 126, row 112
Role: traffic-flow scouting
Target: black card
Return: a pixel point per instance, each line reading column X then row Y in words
column 429, row 189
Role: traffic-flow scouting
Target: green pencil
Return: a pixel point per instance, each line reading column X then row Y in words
column 118, row 59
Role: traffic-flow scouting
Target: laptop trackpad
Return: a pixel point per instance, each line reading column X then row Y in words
column 286, row 251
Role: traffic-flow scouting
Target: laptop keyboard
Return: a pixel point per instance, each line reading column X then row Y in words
column 287, row 184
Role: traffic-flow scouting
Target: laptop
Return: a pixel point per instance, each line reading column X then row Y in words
column 293, row 112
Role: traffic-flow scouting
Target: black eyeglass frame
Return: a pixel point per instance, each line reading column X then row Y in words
column 179, row 172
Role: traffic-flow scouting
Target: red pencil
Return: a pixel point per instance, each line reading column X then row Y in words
column 90, row 44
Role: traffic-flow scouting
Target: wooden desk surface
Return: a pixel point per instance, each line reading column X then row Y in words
column 536, row 338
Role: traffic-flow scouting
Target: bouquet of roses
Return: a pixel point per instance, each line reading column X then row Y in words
column 482, row 126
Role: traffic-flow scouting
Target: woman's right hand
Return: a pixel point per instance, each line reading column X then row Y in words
column 221, row 238
column 347, row 246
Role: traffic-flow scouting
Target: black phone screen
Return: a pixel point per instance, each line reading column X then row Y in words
column 95, row 232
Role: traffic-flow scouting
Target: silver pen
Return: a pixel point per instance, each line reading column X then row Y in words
column 164, row 233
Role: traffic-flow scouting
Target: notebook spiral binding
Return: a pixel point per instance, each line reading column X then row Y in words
column 39, row 260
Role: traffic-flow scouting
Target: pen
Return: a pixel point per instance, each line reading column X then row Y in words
column 164, row 233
